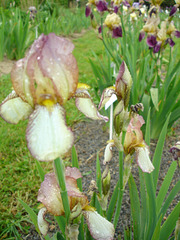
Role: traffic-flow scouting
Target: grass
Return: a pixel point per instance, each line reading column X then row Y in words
column 18, row 175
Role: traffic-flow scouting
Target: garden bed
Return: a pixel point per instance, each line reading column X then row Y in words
column 90, row 138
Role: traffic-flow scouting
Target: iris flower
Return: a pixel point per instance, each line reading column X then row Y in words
column 49, row 195
column 133, row 143
column 43, row 82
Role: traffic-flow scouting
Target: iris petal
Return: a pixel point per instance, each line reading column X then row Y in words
column 49, row 195
column 99, row 227
column 47, row 135
column 85, row 104
column 13, row 109
column 143, row 160
column 42, row 223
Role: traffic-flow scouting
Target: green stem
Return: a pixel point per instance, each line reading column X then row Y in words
column 106, row 44
column 59, row 166
column 120, row 188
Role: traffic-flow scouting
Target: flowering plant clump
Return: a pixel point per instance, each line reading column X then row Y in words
column 159, row 33
column 112, row 20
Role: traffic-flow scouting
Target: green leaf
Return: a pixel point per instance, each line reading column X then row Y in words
column 112, row 203
column 154, row 97
column 170, row 198
column 144, row 210
column 158, row 152
column 146, row 103
column 135, row 207
column 61, row 222
column 156, row 233
column 57, row 236
column 40, row 170
column 151, row 197
column 98, row 175
column 165, row 185
column 31, row 213
column 75, row 163
column 147, row 133
column 170, row 223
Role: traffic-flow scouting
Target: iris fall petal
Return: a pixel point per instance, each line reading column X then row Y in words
column 13, row 109
column 99, row 227
column 143, row 160
column 42, row 223
column 85, row 104
column 47, row 135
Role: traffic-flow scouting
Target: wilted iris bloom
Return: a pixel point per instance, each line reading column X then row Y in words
column 43, row 81
column 175, row 150
column 49, row 195
column 134, row 142
column 121, row 90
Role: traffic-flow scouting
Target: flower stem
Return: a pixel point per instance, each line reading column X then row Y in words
column 59, row 166
column 120, row 188
column 111, row 123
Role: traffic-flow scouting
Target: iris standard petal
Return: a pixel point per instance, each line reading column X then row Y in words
column 13, row 109
column 99, row 227
column 47, row 135
column 85, row 104
column 49, row 195
column 73, row 172
column 20, row 81
column 143, row 160
column 42, row 223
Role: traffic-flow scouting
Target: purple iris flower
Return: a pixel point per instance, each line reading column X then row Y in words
column 87, row 11
column 151, row 41
column 141, row 36
column 102, row 6
column 171, row 42
column 173, row 11
column 157, row 47
column 100, row 29
column 117, row 32
column 125, row 3
column 115, row 9
column 177, row 34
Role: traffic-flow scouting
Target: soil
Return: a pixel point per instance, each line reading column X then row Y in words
column 91, row 137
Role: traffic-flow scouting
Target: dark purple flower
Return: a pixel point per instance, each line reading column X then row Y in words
column 141, row 36
column 115, row 9
column 100, row 29
column 157, row 47
column 117, row 32
column 101, row 6
column 151, row 41
column 171, row 42
column 173, row 11
column 177, row 34
column 175, row 150
column 87, row 11
column 125, row 3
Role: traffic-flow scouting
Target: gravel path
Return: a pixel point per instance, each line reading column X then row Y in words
column 91, row 137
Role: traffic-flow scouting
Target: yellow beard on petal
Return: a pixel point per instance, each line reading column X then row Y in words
column 47, row 100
